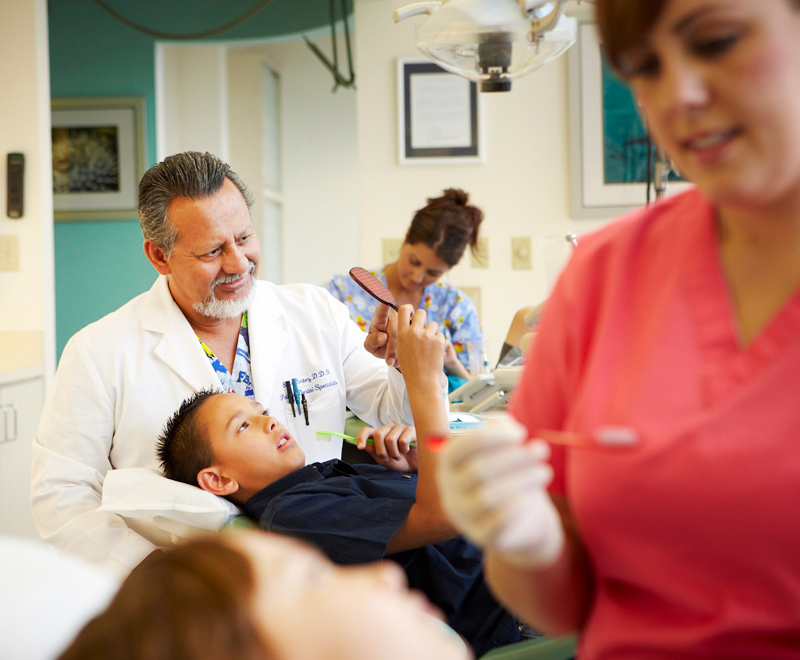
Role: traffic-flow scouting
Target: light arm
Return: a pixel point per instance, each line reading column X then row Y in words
column 421, row 351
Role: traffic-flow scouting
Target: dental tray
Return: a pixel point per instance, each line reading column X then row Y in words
column 464, row 421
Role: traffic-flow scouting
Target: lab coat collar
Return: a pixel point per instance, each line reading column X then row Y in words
column 178, row 347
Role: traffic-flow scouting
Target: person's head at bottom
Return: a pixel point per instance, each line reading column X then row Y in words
column 258, row 596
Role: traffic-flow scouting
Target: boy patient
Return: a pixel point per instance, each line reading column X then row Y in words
column 228, row 445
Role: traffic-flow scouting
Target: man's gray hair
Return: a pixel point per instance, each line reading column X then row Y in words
column 190, row 174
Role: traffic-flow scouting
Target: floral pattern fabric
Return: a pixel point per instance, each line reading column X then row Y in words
column 452, row 309
column 241, row 380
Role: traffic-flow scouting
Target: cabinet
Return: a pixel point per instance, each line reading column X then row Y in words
column 21, row 400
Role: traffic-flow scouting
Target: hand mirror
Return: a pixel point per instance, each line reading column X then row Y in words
column 373, row 286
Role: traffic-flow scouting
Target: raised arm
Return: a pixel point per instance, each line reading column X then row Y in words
column 496, row 482
column 494, row 487
column 381, row 338
column 420, row 352
column 375, row 393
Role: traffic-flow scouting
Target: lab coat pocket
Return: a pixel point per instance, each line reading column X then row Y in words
column 325, row 413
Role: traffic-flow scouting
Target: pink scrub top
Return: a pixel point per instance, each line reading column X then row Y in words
column 693, row 535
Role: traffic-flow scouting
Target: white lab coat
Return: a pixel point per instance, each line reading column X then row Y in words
column 121, row 378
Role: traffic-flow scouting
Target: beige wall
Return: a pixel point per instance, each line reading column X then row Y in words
column 523, row 187
column 26, row 295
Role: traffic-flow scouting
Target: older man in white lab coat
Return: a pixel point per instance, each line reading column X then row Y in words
column 205, row 323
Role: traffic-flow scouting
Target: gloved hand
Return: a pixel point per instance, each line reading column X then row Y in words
column 492, row 485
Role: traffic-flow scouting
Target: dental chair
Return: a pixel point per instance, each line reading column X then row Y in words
column 180, row 511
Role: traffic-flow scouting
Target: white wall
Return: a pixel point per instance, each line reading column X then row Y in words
column 192, row 103
column 320, row 165
column 523, row 187
column 27, row 295
column 244, row 125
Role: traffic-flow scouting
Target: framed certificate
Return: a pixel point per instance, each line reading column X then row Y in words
column 439, row 115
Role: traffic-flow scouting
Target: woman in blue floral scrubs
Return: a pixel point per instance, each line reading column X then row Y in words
column 435, row 242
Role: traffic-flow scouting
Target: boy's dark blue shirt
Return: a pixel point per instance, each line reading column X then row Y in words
column 351, row 512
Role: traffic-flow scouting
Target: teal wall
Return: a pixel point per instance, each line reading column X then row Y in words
column 100, row 265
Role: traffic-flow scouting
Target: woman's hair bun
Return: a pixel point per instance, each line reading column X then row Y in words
column 448, row 224
column 455, row 195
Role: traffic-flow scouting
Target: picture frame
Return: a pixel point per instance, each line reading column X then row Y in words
column 608, row 143
column 440, row 116
column 99, row 147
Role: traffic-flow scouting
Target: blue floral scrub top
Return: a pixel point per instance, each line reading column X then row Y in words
column 452, row 309
column 241, row 380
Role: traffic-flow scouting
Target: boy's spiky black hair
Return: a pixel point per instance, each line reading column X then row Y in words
column 183, row 448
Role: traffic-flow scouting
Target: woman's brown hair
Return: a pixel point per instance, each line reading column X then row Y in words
column 447, row 225
column 188, row 603
column 625, row 24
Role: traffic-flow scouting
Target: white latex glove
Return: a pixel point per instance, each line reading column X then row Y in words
column 492, row 485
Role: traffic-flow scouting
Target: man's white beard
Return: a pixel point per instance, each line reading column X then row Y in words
column 213, row 308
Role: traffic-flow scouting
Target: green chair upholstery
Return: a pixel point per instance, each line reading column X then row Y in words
column 352, row 425
column 241, row 522
column 350, row 453
column 541, row 648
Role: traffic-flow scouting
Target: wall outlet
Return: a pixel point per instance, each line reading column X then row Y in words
column 521, row 253
column 9, row 253
column 480, row 258
column 391, row 249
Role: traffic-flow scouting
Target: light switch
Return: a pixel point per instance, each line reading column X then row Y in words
column 521, row 253
column 9, row 253
column 391, row 249
column 480, row 259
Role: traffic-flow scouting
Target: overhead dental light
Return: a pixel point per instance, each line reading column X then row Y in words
column 492, row 42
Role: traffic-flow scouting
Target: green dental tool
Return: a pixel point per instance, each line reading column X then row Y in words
column 347, row 438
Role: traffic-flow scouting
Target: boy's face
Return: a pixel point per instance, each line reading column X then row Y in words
column 250, row 448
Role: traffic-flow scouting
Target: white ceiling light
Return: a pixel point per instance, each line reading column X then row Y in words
column 492, row 42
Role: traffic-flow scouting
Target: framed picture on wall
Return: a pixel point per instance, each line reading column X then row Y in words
column 98, row 157
column 608, row 142
column 439, row 116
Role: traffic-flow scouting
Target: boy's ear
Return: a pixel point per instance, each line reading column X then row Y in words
column 211, row 480
column 155, row 255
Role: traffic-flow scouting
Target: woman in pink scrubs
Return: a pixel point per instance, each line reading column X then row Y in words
column 677, row 331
